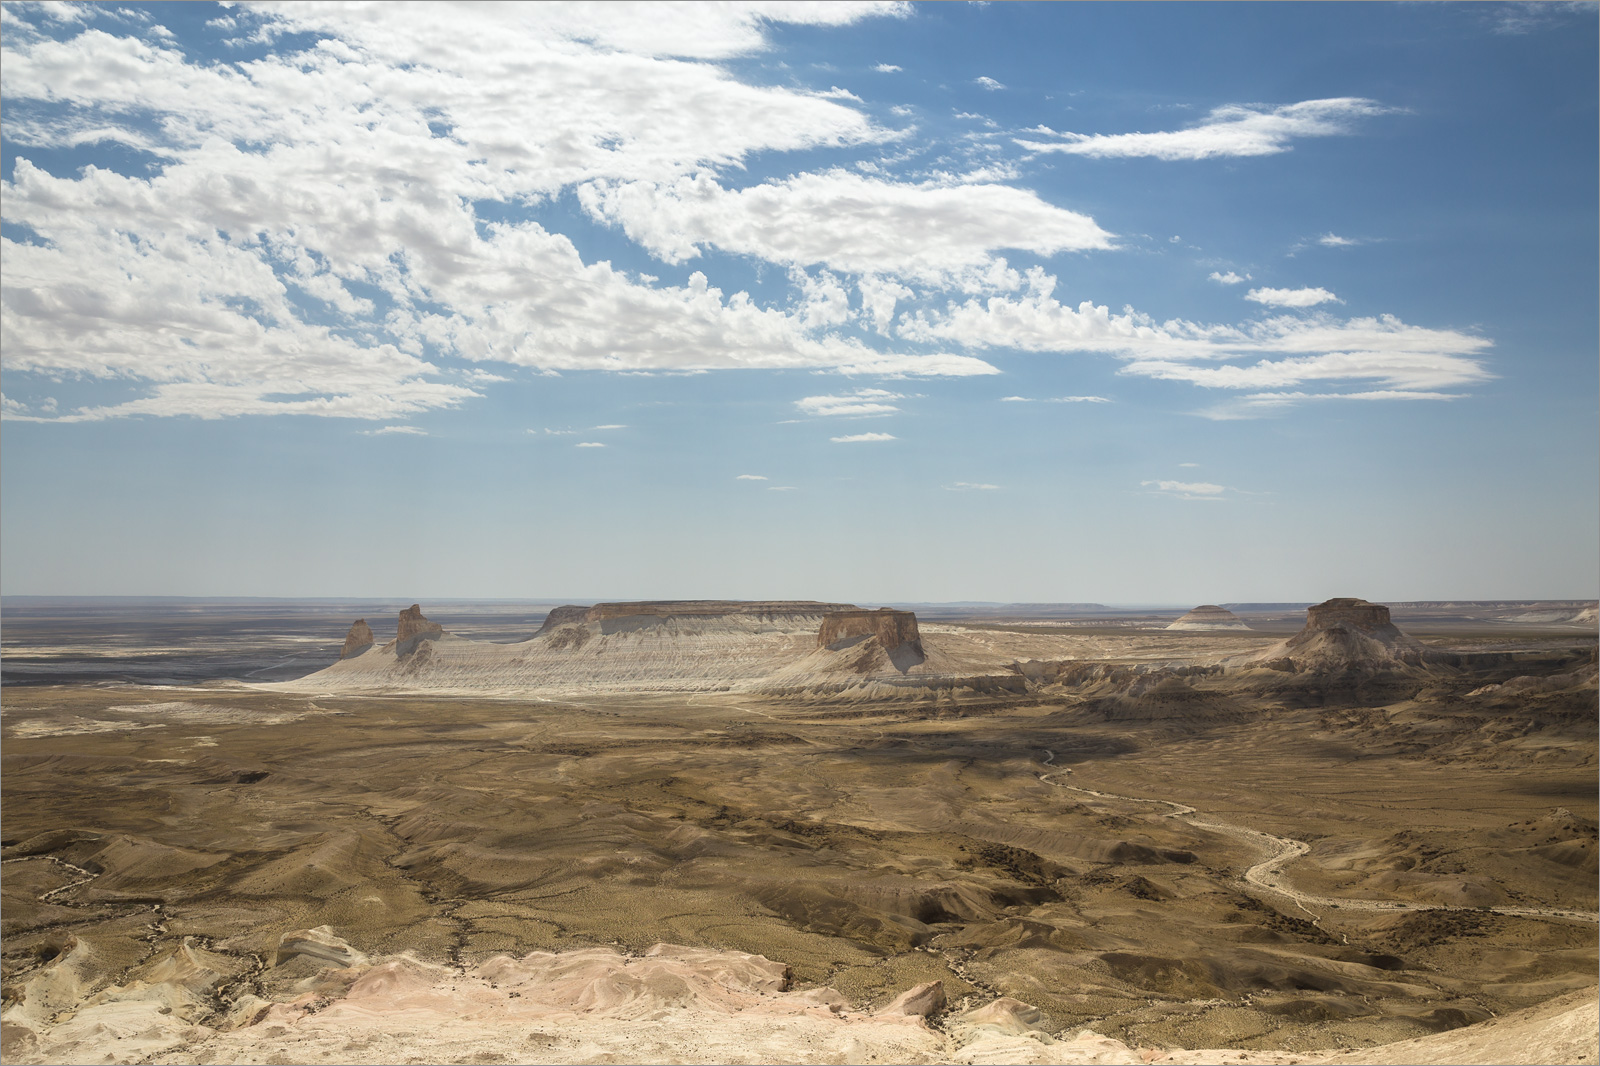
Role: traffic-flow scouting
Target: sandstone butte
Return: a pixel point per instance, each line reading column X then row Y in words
column 358, row 640
column 892, row 628
column 414, row 629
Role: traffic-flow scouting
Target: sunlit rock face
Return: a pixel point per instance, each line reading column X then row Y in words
column 414, row 629
column 892, row 628
column 358, row 640
column 1370, row 618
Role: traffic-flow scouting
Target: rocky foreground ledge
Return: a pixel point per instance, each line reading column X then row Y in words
column 593, row 1005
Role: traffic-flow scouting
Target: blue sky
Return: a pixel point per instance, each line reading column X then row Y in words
column 1132, row 303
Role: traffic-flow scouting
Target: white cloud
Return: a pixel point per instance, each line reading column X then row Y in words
column 859, row 403
column 588, row 444
column 1230, row 131
column 970, row 486
column 1333, row 240
column 612, row 426
column 878, row 299
column 1055, row 399
column 395, row 429
column 987, row 83
column 1230, row 278
column 1287, row 350
column 780, row 488
column 934, row 232
column 292, row 187
column 860, row 438
column 1187, row 490
column 1291, row 297
column 1188, row 464
column 887, row 68
column 750, row 477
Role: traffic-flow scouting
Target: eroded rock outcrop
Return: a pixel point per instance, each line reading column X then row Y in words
column 1209, row 616
column 1342, row 634
column 358, row 640
column 414, row 629
column 892, row 628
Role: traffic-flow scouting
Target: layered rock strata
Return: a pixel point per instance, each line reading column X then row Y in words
column 358, row 640
column 414, row 629
column 1340, row 634
column 1209, row 616
column 892, row 628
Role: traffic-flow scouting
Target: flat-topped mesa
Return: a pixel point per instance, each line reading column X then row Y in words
column 892, row 628
column 1370, row 618
column 414, row 629
column 1341, row 634
column 1209, row 616
column 358, row 640
column 616, row 617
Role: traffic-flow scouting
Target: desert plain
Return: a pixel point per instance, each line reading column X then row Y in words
column 732, row 833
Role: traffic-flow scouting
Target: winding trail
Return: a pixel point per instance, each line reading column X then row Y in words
column 1268, row 874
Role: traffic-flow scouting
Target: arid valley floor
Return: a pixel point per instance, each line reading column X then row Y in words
column 1176, row 840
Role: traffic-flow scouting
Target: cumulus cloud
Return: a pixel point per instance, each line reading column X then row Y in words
column 935, row 232
column 1231, row 131
column 856, row 404
column 861, row 438
column 1291, row 297
column 987, row 83
column 1230, row 278
column 1286, row 350
column 307, row 240
column 886, row 68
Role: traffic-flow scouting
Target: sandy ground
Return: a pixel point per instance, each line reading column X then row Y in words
column 1094, row 853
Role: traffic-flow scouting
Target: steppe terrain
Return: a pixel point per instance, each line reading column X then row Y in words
column 1105, row 841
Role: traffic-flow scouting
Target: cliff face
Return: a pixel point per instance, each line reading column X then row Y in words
column 1343, row 634
column 892, row 628
column 1371, row 618
column 358, row 640
column 644, row 614
column 414, row 629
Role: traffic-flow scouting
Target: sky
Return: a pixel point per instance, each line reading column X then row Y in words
column 872, row 302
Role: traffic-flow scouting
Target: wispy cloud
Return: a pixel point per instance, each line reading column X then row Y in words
column 1291, row 297
column 751, row 477
column 862, row 438
column 887, row 68
column 1055, row 399
column 611, row 426
column 1230, row 278
column 970, row 486
column 1333, row 240
column 856, row 404
column 588, row 444
column 1227, row 132
column 383, row 430
column 1187, row 490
